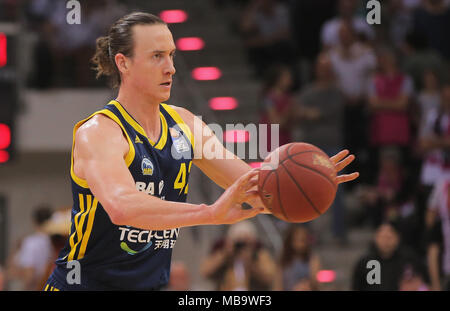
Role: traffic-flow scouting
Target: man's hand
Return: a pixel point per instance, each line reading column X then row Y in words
column 228, row 208
column 340, row 161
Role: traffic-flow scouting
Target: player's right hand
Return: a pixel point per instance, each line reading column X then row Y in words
column 228, row 208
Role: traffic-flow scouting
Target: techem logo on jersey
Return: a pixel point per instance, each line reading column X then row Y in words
column 161, row 239
column 126, row 248
column 147, row 166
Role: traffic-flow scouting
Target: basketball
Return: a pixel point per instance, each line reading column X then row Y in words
column 297, row 182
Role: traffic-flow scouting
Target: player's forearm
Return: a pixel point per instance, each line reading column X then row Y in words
column 143, row 211
column 224, row 172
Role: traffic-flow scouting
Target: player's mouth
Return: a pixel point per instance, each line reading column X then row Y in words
column 166, row 84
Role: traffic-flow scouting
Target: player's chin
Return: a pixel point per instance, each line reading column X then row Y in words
column 164, row 96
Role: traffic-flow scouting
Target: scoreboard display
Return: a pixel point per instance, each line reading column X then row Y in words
column 8, row 90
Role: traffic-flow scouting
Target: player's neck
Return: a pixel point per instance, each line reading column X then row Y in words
column 143, row 110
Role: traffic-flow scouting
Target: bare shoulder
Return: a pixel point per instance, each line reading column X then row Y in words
column 185, row 114
column 99, row 131
column 190, row 119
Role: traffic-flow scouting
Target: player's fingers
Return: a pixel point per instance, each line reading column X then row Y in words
column 347, row 177
column 339, row 156
column 250, row 184
column 249, row 196
column 247, row 176
column 341, row 165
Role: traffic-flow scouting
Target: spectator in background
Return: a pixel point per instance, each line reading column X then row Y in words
column 308, row 17
column 382, row 200
column 74, row 45
column 432, row 20
column 58, row 229
column 324, row 130
column 240, row 261
column 179, row 277
column 30, row 262
column 393, row 259
column 413, row 280
column 278, row 104
column 63, row 51
column 38, row 13
column 346, row 14
column 266, row 27
column 429, row 97
column 326, row 100
column 434, row 141
column 390, row 91
column 393, row 199
column 439, row 242
column 299, row 264
column 418, row 57
column 58, row 241
column 397, row 21
column 353, row 63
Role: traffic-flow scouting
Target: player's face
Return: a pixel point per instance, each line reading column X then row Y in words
column 151, row 68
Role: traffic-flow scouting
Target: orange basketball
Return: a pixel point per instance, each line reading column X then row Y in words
column 297, row 182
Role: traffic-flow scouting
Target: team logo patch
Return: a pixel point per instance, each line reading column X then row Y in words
column 179, row 141
column 147, row 166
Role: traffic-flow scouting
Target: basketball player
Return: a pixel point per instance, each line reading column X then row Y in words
column 129, row 184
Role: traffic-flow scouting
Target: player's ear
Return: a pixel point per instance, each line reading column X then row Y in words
column 122, row 62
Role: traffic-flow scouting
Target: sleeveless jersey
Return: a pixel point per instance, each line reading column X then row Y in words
column 122, row 257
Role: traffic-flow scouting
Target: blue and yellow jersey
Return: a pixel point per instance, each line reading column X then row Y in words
column 123, row 257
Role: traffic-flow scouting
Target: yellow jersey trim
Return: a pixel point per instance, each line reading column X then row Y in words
column 78, row 226
column 90, row 224
column 82, row 236
column 163, row 136
column 176, row 116
column 128, row 158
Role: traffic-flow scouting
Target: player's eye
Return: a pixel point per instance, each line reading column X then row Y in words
column 157, row 56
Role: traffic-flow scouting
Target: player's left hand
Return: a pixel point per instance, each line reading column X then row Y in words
column 340, row 161
column 256, row 201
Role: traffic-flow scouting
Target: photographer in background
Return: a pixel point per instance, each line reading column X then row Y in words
column 299, row 262
column 239, row 261
column 27, row 264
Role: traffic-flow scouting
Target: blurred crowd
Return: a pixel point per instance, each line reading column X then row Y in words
column 62, row 50
column 330, row 79
column 381, row 91
column 31, row 259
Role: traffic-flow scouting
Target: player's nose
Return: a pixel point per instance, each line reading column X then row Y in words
column 170, row 68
